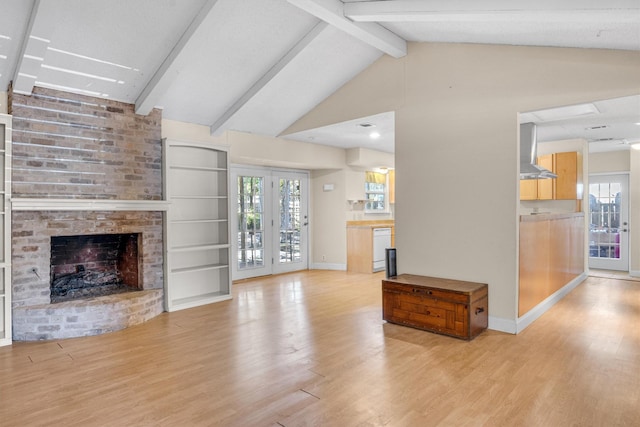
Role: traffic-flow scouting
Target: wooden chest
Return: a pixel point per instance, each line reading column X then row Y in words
column 450, row 307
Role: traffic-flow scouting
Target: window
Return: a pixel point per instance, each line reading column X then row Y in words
column 375, row 192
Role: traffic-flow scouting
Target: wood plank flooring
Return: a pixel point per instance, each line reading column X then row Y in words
column 310, row 349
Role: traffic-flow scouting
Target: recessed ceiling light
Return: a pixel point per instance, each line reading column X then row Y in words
column 602, row 139
column 567, row 112
column 374, row 135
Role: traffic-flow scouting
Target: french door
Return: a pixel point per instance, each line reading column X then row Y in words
column 609, row 222
column 270, row 225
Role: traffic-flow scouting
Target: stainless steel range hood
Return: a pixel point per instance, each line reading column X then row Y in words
column 529, row 154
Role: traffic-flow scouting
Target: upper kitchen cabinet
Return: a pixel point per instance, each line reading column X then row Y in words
column 392, row 185
column 546, row 186
column 568, row 167
column 567, row 186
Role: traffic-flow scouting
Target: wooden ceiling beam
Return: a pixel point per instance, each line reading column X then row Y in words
column 170, row 68
column 332, row 12
column 218, row 127
column 32, row 51
column 441, row 10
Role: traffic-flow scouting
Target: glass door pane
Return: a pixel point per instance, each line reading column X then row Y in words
column 608, row 222
column 290, row 221
column 250, row 231
column 270, row 221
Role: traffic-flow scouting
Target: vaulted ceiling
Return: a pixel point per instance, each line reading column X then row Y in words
column 259, row 65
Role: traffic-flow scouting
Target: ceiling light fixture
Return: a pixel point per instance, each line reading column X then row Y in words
column 374, row 135
column 562, row 113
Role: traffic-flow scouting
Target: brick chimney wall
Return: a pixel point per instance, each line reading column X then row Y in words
column 68, row 146
column 78, row 147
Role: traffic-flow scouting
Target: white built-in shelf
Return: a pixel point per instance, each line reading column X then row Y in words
column 178, row 197
column 197, row 233
column 198, row 168
column 199, row 300
column 5, row 230
column 200, row 268
column 197, row 221
column 190, row 248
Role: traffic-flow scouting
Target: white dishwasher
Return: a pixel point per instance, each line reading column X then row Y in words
column 381, row 241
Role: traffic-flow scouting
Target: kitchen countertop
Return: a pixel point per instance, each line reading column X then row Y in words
column 549, row 216
column 380, row 223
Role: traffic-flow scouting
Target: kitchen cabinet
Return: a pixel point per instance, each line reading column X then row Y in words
column 360, row 244
column 567, row 186
column 392, row 186
column 551, row 256
column 568, row 167
column 545, row 186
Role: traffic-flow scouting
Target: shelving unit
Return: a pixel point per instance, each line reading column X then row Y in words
column 197, row 235
column 5, row 230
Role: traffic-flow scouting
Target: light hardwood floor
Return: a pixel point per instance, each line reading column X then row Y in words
column 310, row 349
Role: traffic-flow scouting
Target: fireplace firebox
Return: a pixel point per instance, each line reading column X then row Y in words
column 86, row 266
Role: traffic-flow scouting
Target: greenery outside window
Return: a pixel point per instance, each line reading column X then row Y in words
column 375, row 189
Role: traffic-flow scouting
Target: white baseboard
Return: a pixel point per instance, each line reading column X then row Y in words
column 328, row 266
column 545, row 305
column 515, row 326
column 634, row 273
column 503, row 325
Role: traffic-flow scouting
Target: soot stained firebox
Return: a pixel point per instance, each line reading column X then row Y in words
column 84, row 266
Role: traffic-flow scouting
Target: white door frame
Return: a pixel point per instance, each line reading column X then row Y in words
column 265, row 268
column 621, row 263
column 303, row 264
column 271, row 235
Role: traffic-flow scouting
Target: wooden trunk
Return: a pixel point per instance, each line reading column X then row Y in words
column 449, row 307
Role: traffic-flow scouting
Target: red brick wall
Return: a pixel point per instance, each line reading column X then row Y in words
column 74, row 146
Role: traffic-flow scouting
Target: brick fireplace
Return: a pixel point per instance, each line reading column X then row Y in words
column 94, row 265
column 91, row 167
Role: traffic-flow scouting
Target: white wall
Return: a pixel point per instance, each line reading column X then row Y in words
column 329, row 210
column 4, row 104
column 634, row 207
column 329, row 236
column 457, row 146
column 609, row 162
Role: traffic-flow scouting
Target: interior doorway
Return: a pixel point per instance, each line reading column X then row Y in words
column 270, row 225
column 609, row 222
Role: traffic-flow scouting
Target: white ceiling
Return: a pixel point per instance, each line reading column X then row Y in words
column 608, row 125
column 259, row 65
